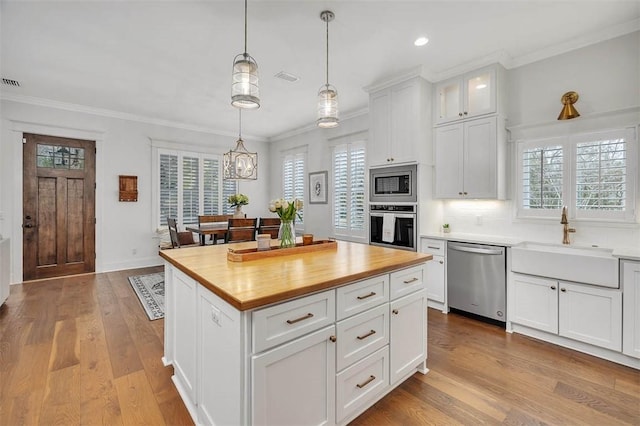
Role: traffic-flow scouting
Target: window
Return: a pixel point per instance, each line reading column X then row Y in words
column 592, row 174
column 293, row 174
column 349, row 200
column 190, row 184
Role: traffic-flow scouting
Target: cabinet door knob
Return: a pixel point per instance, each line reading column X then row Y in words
column 395, row 312
column 563, row 290
column 465, row 193
column 460, row 114
column 553, row 287
column 459, row 193
column 333, row 338
column 441, row 262
column 465, row 113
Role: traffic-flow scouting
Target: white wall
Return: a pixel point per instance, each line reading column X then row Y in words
column 124, row 147
column 607, row 78
column 317, row 217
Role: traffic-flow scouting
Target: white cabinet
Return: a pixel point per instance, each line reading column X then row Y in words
column 467, row 96
column 408, row 335
column 470, row 160
column 294, row 384
column 435, row 273
column 184, row 348
column 534, row 302
column 399, row 123
column 4, row 270
column 631, row 308
column 580, row 312
column 590, row 314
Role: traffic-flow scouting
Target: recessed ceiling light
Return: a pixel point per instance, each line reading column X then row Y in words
column 421, row 41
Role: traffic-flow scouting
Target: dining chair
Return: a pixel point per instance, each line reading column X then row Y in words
column 241, row 230
column 179, row 238
column 269, row 225
column 213, row 218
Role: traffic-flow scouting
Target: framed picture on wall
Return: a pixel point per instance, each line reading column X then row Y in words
column 318, row 187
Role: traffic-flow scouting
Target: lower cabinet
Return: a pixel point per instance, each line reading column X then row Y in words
column 321, row 359
column 581, row 312
column 435, row 273
column 631, row 308
column 408, row 335
column 294, row 384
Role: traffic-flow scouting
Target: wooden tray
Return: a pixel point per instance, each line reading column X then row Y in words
column 243, row 255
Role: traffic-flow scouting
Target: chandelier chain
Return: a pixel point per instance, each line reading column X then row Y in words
column 245, row 27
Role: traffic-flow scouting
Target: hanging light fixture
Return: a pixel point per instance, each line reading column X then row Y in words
column 240, row 164
column 245, row 92
column 327, row 95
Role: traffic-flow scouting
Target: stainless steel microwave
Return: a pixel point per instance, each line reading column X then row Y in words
column 395, row 184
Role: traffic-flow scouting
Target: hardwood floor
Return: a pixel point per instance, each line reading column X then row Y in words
column 81, row 351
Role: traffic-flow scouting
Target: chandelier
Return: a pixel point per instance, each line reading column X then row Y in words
column 239, row 163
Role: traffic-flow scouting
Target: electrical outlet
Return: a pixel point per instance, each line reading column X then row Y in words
column 215, row 315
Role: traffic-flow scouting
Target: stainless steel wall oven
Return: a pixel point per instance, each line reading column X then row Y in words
column 393, row 226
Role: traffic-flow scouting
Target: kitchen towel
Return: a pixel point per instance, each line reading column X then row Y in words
column 388, row 227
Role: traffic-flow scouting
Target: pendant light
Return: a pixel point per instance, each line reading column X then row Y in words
column 240, row 164
column 327, row 95
column 245, row 92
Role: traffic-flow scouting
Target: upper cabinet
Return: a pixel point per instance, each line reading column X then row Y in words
column 470, row 95
column 399, row 123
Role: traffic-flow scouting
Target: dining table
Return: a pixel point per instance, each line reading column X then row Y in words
column 215, row 229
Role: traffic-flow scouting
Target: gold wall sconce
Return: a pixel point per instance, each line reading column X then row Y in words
column 568, row 110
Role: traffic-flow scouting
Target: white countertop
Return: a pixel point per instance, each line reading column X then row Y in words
column 629, row 253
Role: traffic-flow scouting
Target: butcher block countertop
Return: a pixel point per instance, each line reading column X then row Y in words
column 255, row 283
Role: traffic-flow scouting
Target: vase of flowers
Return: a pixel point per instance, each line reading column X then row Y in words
column 287, row 211
column 237, row 201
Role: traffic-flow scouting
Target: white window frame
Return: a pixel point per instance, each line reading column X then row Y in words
column 224, row 208
column 569, row 144
column 298, row 184
column 349, row 233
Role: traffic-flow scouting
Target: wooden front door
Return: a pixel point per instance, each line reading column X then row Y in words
column 58, row 206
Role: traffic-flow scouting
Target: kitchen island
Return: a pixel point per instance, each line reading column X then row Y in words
column 311, row 338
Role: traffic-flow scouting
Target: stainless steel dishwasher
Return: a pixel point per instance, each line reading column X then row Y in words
column 476, row 279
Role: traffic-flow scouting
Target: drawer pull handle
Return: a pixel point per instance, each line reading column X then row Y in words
column 366, row 382
column 371, row 333
column 433, row 247
column 293, row 321
column 373, row 293
column 412, row 280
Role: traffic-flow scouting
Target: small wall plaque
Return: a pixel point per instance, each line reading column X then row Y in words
column 128, row 188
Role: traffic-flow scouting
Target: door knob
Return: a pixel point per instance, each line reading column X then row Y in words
column 28, row 225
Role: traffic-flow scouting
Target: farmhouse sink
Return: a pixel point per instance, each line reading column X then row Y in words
column 589, row 265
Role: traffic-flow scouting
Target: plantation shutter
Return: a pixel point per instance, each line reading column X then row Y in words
column 601, row 171
column 542, row 177
column 190, row 190
column 340, row 188
column 293, row 170
column 168, row 165
column 357, row 196
column 229, row 187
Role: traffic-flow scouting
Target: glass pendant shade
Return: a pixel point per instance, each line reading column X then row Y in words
column 245, row 91
column 327, row 106
column 240, row 163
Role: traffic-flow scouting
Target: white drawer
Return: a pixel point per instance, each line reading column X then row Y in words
column 406, row 281
column 361, row 335
column 361, row 383
column 358, row 297
column 432, row 246
column 280, row 323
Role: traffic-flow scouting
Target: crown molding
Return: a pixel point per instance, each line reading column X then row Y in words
column 576, row 43
column 389, row 81
column 102, row 112
column 310, row 127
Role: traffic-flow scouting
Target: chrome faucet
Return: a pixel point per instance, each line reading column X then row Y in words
column 565, row 230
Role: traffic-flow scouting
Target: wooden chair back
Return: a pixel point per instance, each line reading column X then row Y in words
column 269, row 225
column 212, row 218
column 179, row 239
column 241, row 230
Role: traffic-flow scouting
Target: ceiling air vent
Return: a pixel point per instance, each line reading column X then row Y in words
column 287, row 76
column 9, row 82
